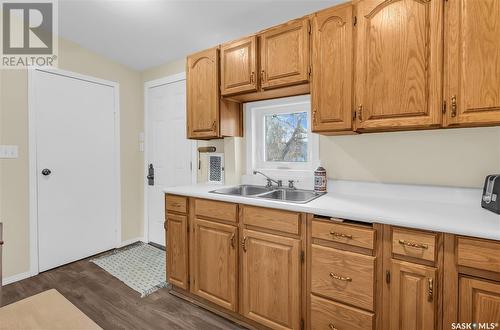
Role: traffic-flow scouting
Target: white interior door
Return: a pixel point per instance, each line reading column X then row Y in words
column 76, row 167
column 168, row 149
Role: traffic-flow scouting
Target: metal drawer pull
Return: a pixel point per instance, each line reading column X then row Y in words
column 340, row 235
column 176, row 204
column 340, row 278
column 431, row 289
column 332, row 327
column 232, row 240
column 244, row 244
column 411, row 244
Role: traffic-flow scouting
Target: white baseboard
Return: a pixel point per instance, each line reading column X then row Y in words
column 15, row 278
column 131, row 241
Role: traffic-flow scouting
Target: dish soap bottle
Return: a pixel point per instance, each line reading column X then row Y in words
column 320, row 180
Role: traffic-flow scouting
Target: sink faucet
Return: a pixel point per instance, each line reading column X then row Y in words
column 269, row 180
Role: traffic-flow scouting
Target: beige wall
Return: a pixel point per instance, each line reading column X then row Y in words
column 14, row 208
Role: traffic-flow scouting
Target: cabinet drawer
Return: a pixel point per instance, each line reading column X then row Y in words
column 216, row 210
column 343, row 233
column 288, row 222
column 344, row 276
column 480, row 254
column 416, row 244
column 176, row 203
column 327, row 314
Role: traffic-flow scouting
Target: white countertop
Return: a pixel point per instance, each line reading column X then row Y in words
column 443, row 209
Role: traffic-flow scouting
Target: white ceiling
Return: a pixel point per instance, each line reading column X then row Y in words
column 146, row 33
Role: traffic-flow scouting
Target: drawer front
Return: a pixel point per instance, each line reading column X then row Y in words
column 216, row 210
column 480, row 254
column 288, row 222
column 344, row 276
column 176, row 203
column 328, row 315
column 416, row 244
column 344, row 233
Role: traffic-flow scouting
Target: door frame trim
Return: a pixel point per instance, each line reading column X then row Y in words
column 194, row 175
column 32, row 158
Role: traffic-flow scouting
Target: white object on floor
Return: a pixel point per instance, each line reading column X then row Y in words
column 140, row 266
column 167, row 148
column 8, row 152
column 75, row 154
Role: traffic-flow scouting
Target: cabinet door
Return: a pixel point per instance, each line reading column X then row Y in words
column 413, row 294
column 332, row 70
column 177, row 250
column 284, row 54
column 472, row 62
column 203, row 94
column 398, row 64
column 479, row 301
column 214, row 263
column 271, row 280
column 239, row 66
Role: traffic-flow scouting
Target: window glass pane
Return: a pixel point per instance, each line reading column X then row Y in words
column 286, row 137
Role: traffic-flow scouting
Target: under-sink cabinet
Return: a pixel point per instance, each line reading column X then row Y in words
column 271, row 268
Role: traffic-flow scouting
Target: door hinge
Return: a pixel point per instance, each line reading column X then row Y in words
column 309, row 71
column 302, row 256
column 444, row 107
column 355, row 20
column 302, row 325
column 354, row 115
column 388, row 277
column 309, row 27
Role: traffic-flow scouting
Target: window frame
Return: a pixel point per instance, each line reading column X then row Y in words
column 255, row 113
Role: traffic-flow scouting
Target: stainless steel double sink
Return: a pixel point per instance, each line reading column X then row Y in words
column 273, row 193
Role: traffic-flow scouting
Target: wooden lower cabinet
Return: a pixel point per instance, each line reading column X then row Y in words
column 330, row 315
column 271, row 287
column 479, row 301
column 177, row 250
column 413, row 291
column 214, row 261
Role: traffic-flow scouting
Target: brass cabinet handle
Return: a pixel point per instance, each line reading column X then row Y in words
column 414, row 245
column 213, row 125
column 340, row 278
column 263, row 75
column 314, row 116
column 232, row 240
column 454, row 106
column 252, row 77
column 176, row 204
column 360, row 112
column 332, row 327
column 333, row 233
column 244, row 244
column 431, row 289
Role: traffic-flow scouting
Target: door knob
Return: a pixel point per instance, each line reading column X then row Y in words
column 46, row 171
column 151, row 175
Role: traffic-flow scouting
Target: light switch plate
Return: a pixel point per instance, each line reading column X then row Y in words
column 7, row 151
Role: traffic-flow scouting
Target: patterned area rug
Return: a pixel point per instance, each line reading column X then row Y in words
column 140, row 266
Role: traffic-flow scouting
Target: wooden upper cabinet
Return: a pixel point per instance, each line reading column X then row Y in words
column 203, row 94
column 271, row 280
column 284, row 54
column 472, row 62
column 398, row 79
column 332, row 54
column 413, row 296
column 239, row 66
column 479, row 301
column 209, row 117
column 215, row 263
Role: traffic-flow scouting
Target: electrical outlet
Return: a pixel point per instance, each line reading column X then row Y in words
column 8, row 152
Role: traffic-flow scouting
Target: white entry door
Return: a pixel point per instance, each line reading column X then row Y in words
column 76, row 165
column 168, row 150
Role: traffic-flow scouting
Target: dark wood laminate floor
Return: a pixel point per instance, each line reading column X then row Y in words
column 112, row 304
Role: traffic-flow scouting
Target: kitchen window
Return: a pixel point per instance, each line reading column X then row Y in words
column 279, row 137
